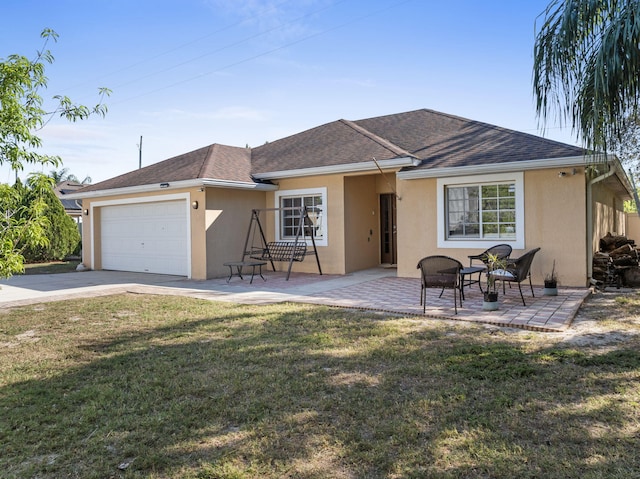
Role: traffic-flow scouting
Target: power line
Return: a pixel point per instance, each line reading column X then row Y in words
column 267, row 52
column 181, row 46
column 231, row 45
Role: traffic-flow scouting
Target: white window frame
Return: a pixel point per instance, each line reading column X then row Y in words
column 321, row 191
column 480, row 243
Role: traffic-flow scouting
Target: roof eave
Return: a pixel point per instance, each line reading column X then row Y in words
column 483, row 169
column 174, row 185
column 363, row 166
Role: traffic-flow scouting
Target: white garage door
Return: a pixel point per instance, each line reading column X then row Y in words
column 145, row 237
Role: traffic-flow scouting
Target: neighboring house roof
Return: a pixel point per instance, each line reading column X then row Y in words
column 418, row 140
column 64, row 188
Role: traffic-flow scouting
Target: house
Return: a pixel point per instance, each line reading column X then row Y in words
column 71, row 206
column 391, row 190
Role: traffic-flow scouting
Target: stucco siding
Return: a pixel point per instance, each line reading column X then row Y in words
column 332, row 256
column 554, row 219
column 362, row 223
column 556, row 222
column 417, row 220
column 632, row 229
column 607, row 214
column 226, row 222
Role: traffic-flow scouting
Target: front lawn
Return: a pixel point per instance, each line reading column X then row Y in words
column 135, row 386
column 51, row 267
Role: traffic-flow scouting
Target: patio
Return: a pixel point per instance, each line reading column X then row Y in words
column 380, row 290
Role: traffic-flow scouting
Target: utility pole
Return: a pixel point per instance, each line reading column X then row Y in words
column 140, row 153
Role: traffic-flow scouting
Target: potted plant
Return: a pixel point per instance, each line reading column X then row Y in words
column 490, row 300
column 551, row 282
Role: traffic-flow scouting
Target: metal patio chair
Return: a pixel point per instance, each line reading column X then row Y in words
column 478, row 264
column 517, row 270
column 502, row 251
column 439, row 272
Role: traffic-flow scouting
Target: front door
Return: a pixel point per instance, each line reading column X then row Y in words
column 388, row 250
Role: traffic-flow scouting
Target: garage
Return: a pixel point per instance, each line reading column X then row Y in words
column 151, row 237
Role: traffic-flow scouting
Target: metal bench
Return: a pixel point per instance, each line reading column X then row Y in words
column 281, row 251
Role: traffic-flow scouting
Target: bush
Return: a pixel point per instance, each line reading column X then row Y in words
column 61, row 231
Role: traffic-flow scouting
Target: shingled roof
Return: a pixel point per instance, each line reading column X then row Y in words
column 433, row 139
column 340, row 142
column 215, row 161
column 441, row 140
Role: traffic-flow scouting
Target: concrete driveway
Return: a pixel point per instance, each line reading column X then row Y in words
column 376, row 289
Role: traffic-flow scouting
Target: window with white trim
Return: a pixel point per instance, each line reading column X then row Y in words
column 478, row 211
column 485, row 211
column 288, row 219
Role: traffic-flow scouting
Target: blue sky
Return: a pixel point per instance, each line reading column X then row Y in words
column 189, row 73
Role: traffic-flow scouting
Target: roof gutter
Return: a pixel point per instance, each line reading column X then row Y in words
column 364, row 166
column 506, row 167
column 174, row 185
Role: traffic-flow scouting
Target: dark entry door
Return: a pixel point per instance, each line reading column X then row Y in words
column 388, row 252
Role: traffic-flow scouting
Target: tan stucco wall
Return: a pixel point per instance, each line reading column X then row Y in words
column 332, row 257
column 607, row 213
column 632, row 229
column 555, row 220
column 417, row 220
column 226, row 223
column 362, row 223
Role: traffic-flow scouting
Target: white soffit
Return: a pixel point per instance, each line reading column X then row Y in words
column 506, row 167
column 338, row 169
column 173, row 185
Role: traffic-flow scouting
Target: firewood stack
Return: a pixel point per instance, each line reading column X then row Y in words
column 617, row 255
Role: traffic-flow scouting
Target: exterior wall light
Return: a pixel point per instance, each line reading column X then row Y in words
column 194, row 205
column 86, row 212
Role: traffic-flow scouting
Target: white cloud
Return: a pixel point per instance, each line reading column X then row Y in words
column 73, row 132
column 225, row 113
column 284, row 20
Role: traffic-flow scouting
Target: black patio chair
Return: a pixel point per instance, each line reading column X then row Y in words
column 439, row 272
column 502, row 251
column 517, row 270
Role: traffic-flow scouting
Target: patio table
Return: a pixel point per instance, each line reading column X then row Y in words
column 466, row 277
column 238, row 265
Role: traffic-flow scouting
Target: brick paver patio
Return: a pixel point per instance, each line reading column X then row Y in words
column 402, row 296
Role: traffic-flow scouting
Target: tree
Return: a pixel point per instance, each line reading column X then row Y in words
column 58, row 228
column 64, row 175
column 628, row 147
column 21, row 224
column 587, row 67
column 22, row 115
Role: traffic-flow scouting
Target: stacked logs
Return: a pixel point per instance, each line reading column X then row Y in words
column 617, row 257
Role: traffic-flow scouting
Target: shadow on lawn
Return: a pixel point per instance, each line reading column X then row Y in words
column 310, row 392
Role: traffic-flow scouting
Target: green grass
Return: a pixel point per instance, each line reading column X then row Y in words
column 52, row 267
column 136, row 386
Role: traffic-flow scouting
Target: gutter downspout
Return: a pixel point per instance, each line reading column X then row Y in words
column 589, row 238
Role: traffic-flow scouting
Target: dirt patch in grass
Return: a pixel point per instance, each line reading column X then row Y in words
column 606, row 319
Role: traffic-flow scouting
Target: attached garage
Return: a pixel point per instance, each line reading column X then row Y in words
column 146, row 237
